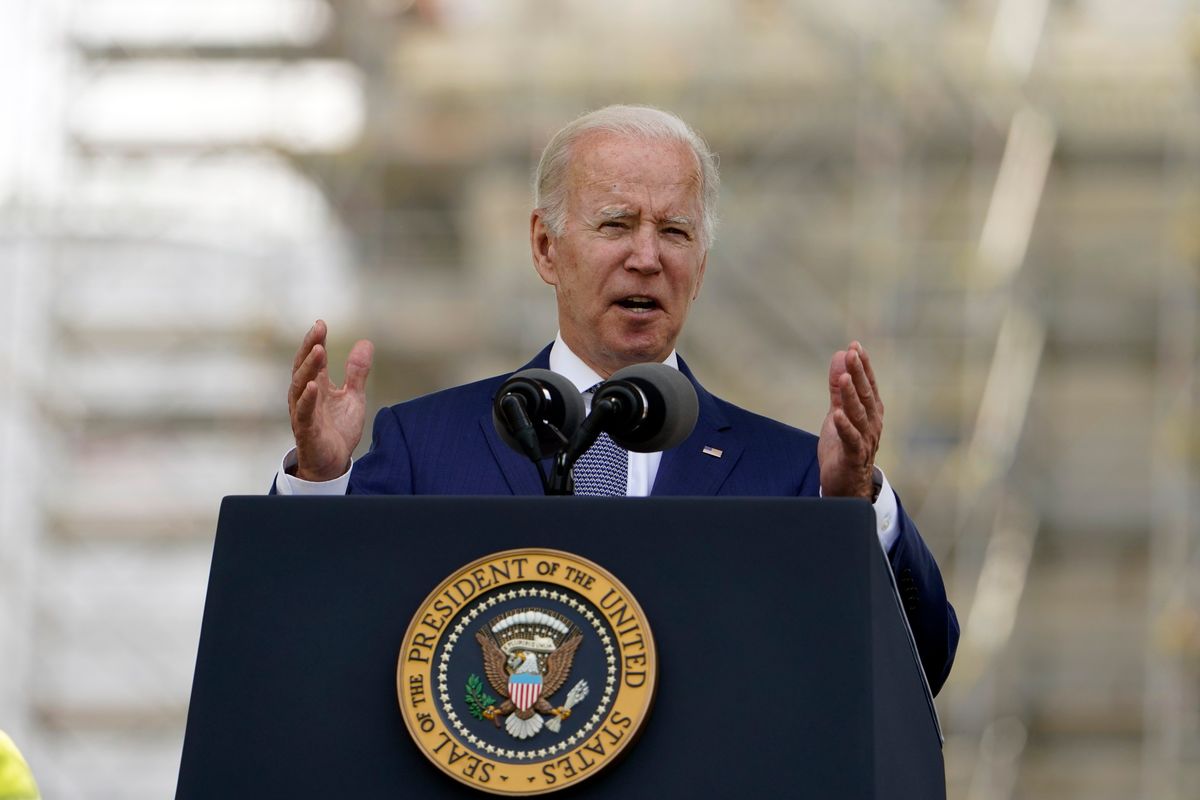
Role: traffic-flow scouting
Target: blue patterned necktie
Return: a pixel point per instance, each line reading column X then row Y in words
column 603, row 470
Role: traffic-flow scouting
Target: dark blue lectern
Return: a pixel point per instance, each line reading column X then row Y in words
column 309, row 599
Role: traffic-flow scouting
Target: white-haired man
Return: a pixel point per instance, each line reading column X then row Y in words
column 624, row 217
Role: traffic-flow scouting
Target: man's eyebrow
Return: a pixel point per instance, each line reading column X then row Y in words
column 616, row 212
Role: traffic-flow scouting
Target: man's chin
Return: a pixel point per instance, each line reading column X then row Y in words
column 622, row 348
column 629, row 353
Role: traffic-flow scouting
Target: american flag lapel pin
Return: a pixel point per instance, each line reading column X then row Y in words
column 712, row 451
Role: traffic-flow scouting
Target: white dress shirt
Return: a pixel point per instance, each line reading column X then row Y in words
column 643, row 467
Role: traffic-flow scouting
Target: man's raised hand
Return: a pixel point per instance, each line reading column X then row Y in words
column 852, row 428
column 327, row 420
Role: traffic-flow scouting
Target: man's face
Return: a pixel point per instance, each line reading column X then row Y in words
column 630, row 260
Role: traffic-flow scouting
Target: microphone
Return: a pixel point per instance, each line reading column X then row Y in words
column 651, row 407
column 643, row 407
column 536, row 411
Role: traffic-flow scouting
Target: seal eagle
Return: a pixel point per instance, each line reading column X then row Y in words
column 519, row 680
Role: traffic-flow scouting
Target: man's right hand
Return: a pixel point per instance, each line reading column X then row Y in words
column 327, row 420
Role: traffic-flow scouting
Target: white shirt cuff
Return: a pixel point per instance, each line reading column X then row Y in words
column 887, row 511
column 290, row 484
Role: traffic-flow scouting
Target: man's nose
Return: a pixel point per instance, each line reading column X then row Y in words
column 644, row 256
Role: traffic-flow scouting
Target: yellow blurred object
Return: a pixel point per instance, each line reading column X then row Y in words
column 16, row 781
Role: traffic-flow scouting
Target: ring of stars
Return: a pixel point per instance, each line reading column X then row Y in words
column 479, row 608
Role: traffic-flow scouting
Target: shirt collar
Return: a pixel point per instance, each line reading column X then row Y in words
column 564, row 361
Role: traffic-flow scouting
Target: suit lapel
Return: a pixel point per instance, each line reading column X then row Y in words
column 521, row 475
column 688, row 469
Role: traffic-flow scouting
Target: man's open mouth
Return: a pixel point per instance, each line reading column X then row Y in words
column 638, row 303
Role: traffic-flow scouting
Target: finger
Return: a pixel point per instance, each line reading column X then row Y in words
column 852, row 406
column 315, row 335
column 308, row 371
column 306, row 406
column 849, row 435
column 837, row 368
column 862, row 386
column 866, row 360
column 358, row 366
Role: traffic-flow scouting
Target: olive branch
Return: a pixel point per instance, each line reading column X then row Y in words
column 477, row 699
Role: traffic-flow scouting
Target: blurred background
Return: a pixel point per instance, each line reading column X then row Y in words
column 1001, row 198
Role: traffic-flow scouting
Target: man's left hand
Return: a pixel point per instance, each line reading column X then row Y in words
column 852, row 428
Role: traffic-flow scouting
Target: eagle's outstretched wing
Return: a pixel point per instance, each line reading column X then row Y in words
column 558, row 665
column 493, row 664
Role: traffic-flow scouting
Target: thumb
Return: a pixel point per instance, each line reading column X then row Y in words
column 358, row 365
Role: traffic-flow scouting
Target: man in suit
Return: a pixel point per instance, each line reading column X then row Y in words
column 623, row 221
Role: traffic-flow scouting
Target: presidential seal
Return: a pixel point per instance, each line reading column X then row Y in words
column 526, row 672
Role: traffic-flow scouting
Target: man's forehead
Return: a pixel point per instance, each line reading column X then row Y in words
column 635, row 181
column 608, row 162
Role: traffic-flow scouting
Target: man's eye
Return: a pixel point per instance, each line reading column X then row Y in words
column 612, row 224
column 677, row 232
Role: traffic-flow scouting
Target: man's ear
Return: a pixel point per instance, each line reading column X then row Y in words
column 544, row 247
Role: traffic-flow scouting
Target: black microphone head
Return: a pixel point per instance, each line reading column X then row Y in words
column 549, row 399
column 670, row 411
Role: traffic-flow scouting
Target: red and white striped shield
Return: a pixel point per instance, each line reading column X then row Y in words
column 524, row 688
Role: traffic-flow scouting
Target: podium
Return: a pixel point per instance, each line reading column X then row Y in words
column 785, row 667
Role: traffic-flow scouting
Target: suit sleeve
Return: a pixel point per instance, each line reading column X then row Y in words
column 930, row 615
column 387, row 466
column 923, row 594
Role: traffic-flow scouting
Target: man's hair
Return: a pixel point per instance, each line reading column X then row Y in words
column 642, row 122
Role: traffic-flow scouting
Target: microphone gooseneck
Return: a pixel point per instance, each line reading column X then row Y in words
column 519, row 425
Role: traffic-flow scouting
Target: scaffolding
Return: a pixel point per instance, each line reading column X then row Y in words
column 998, row 198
